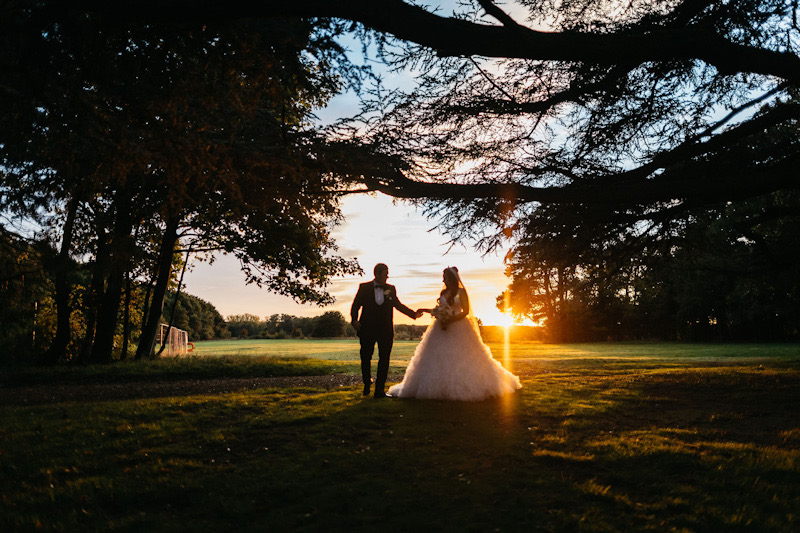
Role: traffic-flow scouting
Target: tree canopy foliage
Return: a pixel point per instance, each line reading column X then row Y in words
column 591, row 102
column 597, row 139
column 124, row 144
column 639, row 158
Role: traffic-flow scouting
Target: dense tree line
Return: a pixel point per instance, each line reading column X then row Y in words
column 327, row 325
column 730, row 273
column 196, row 316
column 29, row 315
column 285, row 326
column 26, row 314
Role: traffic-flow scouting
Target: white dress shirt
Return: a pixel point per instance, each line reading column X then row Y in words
column 378, row 294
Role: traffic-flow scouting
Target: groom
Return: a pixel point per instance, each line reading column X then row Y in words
column 377, row 302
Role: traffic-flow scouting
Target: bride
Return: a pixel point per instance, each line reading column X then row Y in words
column 451, row 361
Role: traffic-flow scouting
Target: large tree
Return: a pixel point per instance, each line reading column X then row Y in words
column 123, row 140
column 626, row 111
column 643, row 88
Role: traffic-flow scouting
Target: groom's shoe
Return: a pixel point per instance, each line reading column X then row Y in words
column 381, row 394
column 366, row 387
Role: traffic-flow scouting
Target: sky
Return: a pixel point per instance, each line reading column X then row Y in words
column 376, row 230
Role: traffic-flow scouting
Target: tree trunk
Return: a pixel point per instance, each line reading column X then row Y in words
column 146, row 303
column 175, row 303
column 103, row 346
column 91, row 300
column 148, row 337
column 58, row 349
column 118, row 259
column 126, row 319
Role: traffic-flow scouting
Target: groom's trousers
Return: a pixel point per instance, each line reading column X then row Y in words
column 384, row 351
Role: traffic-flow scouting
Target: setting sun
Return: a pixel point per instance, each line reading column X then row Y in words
column 505, row 320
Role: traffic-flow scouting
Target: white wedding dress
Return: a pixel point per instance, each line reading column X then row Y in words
column 454, row 364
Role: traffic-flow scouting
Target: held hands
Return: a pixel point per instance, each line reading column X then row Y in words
column 420, row 312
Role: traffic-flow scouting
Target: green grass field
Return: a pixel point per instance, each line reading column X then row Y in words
column 616, row 437
column 347, row 350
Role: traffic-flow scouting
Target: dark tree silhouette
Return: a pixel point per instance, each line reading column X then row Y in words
column 150, row 134
column 627, row 112
column 600, row 130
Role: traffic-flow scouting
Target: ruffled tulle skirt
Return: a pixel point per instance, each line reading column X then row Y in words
column 454, row 364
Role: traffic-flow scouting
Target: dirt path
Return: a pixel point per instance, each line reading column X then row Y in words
column 44, row 394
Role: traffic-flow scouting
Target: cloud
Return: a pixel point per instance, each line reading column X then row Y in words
column 435, row 270
column 350, row 252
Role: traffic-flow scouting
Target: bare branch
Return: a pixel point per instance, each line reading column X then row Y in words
column 492, row 82
column 727, row 118
column 499, row 14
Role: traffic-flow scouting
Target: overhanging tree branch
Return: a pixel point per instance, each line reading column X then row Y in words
column 455, row 37
column 702, row 183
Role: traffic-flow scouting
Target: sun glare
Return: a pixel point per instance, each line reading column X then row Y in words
column 505, row 320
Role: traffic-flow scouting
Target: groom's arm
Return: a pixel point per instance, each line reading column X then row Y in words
column 403, row 309
column 357, row 305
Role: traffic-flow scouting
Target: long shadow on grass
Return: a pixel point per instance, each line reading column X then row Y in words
column 699, row 449
column 408, row 466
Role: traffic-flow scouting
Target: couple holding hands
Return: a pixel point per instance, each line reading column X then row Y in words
column 451, row 361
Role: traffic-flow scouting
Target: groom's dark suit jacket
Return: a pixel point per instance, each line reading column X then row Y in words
column 377, row 321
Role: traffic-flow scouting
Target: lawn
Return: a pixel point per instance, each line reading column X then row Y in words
column 609, row 437
column 347, row 350
column 329, row 349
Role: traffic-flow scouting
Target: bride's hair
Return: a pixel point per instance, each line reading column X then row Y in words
column 453, row 273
